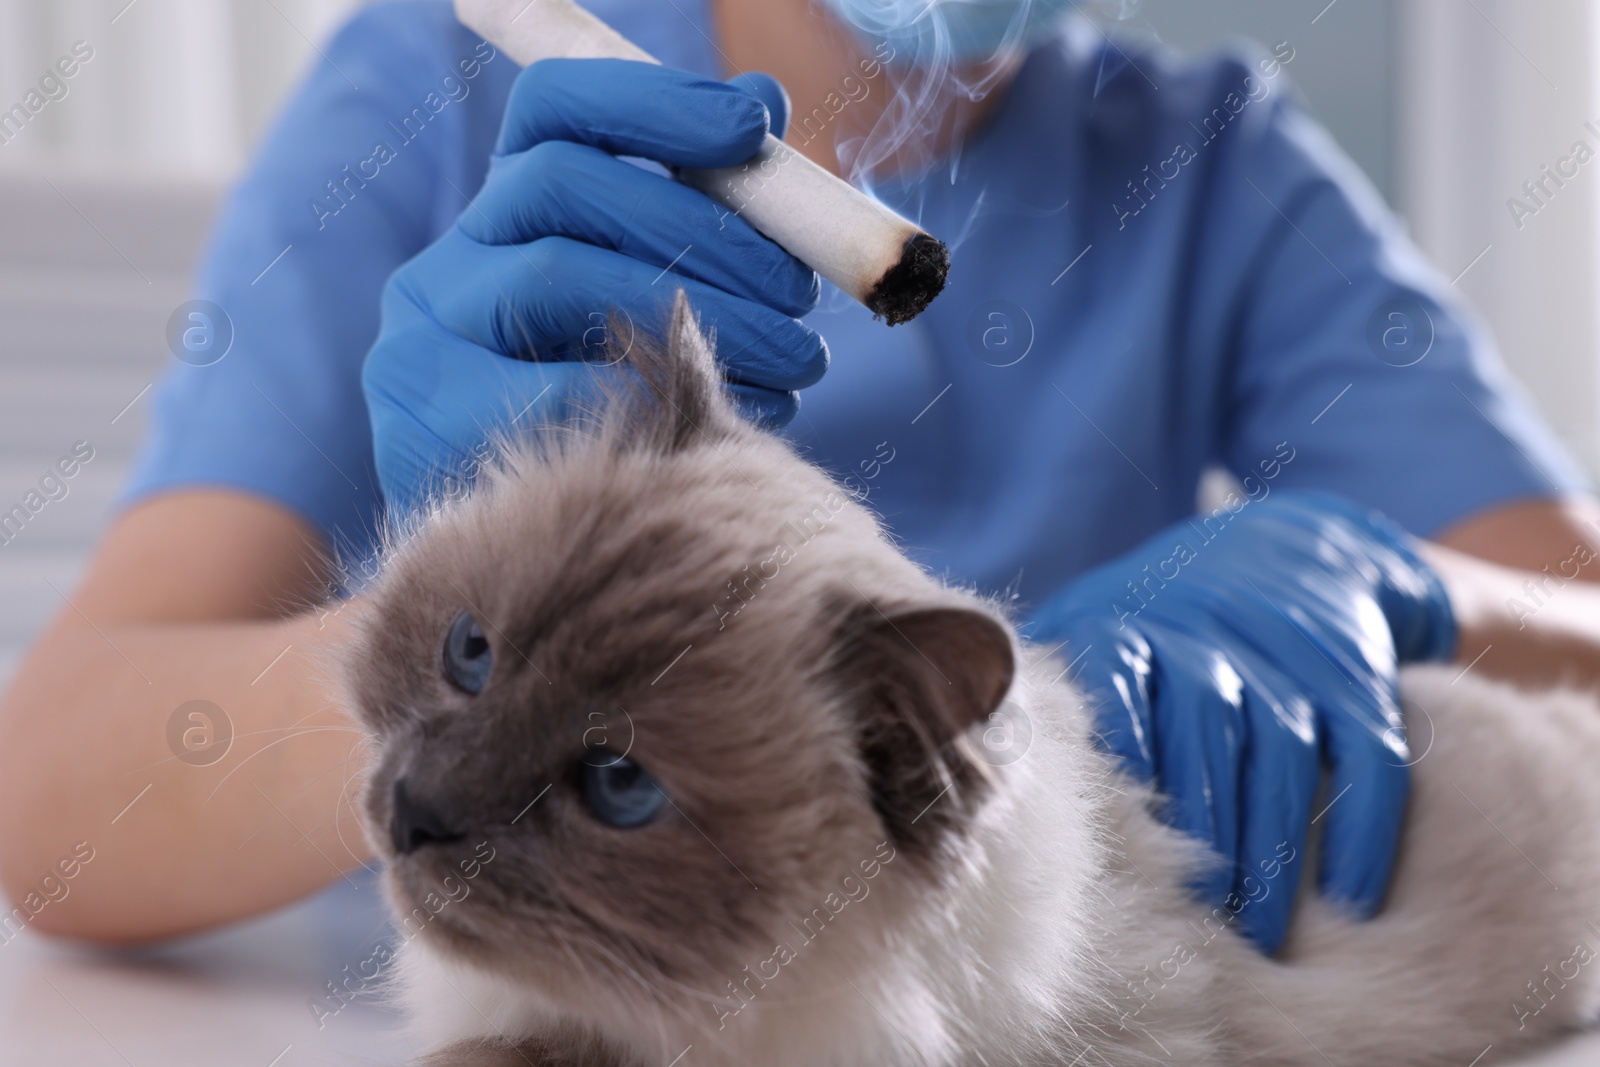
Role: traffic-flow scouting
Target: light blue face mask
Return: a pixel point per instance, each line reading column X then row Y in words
column 924, row 30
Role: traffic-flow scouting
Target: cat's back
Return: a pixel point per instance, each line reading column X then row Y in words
column 1488, row 935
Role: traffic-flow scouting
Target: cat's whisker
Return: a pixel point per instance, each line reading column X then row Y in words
column 361, row 766
column 923, row 902
column 177, row 757
column 297, row 733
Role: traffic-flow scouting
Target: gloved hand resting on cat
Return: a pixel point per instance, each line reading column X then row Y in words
column 562, row 235
column 1230, row 658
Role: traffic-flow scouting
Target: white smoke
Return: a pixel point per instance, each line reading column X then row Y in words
column 936, row 67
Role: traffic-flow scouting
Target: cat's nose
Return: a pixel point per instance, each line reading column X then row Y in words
column 418, row 822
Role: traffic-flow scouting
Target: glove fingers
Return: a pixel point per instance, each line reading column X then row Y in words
column 1199, row 752
column 560, row 189
column 1414, row 603
column 1342, row 657
column 437, row 404
column 513, row 304
column 768, row 409
column 633, row 109
column 1113, row 671
column 1365, row 814
column 767, row 89
column 1282, row 771
column 1332, row 643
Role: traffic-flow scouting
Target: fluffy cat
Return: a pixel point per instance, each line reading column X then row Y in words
column 679, row 761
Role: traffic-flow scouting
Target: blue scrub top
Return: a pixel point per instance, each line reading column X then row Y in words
column 1158, row 265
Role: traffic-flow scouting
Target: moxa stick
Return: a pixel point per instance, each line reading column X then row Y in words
column 888, row 263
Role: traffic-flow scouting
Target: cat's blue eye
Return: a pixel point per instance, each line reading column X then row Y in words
column 619, row 792
column 467, row 656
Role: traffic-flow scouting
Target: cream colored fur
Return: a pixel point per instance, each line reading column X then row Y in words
column 1056, row 931
column 1068, row 896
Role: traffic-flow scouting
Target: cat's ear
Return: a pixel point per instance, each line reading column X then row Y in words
column 918, row 679
column 679, row 398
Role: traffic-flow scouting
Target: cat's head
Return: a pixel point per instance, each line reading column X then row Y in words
column 657, row 692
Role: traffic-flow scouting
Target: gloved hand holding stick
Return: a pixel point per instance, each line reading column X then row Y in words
column 884, row 261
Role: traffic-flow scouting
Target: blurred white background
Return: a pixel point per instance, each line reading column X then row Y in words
column 176, row 87
column 105, row 198
column 106, row 194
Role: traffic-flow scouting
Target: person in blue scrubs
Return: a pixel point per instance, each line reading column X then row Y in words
column 1159, row 266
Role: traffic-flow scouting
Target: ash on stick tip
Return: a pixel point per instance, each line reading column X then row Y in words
column 910, row 285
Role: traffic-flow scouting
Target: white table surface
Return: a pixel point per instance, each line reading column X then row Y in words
column 237, row 998
column 234, row 998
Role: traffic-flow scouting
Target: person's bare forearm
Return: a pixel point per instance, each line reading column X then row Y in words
column 99, row 753
column 1520, row 626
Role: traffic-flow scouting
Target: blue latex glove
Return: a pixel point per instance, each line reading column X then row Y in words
column 1228, row 664
column 562, row 236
